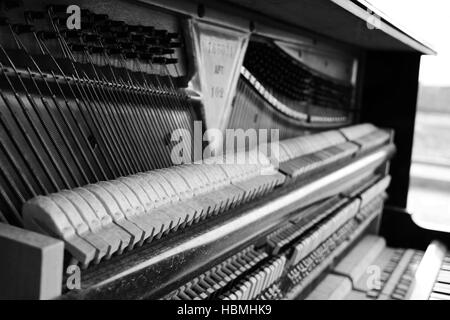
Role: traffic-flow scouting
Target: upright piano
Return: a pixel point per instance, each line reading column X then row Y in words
column 233, row 150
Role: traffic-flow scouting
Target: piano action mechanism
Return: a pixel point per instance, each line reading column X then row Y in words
column 115, row 134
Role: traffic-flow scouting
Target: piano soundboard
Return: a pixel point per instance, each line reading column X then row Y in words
column 181, row 151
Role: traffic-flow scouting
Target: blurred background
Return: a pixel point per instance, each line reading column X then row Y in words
column 429, row 195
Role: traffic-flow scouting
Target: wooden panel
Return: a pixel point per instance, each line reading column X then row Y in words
column 355, row 264
column 31, row 264
column 333, row 287
column 340, row 20
column 389, row 98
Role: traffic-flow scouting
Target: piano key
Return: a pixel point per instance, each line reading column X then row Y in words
column 253, row 286
column 246, row 286
column 444, row 273
column 259, row 282
column 271, row 273
column 441, row 288
column 443, row 278
column 439, row 296
column 445, row 266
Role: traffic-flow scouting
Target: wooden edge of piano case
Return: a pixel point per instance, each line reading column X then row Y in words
column 31, row 266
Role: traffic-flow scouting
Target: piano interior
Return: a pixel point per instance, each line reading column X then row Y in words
column 228, row 150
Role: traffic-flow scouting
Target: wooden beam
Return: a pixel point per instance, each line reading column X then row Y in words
column 31, row 264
